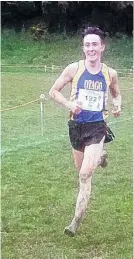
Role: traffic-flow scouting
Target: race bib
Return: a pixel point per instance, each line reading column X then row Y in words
column 91, row 100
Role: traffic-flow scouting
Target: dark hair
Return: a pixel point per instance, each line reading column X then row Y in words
column 94, row 30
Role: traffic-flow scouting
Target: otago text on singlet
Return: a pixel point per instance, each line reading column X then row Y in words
column 92, row 91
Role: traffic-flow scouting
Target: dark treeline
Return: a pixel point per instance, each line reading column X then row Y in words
column 68, row 17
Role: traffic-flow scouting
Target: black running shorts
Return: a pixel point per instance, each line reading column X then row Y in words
column 85, row 134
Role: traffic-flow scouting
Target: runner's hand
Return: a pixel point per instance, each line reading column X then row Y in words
column 75, row 106
column 116, row 111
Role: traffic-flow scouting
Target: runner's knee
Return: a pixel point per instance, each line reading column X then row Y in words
column 92, row 154
column 84, row 176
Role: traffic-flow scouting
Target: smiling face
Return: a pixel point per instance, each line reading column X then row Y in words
column 93, row 47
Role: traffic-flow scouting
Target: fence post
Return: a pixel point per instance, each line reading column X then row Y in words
column 42, row 100
column 52, row 68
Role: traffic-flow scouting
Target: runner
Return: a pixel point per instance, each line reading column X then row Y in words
column 90, row 79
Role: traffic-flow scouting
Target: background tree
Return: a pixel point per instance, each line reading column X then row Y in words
column 69, row 16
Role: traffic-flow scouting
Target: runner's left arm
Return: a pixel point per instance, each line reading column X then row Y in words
column 115, row 93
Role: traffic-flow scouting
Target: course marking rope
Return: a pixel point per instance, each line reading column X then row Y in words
column 113, row 122
column 18, row 106
column 42, row 97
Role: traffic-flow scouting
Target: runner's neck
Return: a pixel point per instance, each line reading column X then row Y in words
column 93, row 68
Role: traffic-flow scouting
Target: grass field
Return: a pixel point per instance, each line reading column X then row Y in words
column 40, row 184
column 58, row 50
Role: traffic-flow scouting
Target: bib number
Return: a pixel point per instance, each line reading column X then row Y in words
column 91, row 100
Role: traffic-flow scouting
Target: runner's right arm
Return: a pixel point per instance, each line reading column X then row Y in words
column 66, row 77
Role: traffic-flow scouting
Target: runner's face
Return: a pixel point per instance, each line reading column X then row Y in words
column 93, row 47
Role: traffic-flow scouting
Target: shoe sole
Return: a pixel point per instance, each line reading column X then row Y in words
column 68, row 232
column 104, row 162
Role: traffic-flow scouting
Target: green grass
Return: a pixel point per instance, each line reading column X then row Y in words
column 40, row 184
column 59, row 50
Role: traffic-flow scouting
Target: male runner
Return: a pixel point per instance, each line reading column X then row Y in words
column 90, row 79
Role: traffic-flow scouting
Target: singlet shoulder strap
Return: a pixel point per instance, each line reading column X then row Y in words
column 79, row 72
column 105, row 72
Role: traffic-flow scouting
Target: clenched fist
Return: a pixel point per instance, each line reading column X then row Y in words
column 75, row 107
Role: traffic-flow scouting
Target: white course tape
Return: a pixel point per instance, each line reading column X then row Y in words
column 113, row 122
